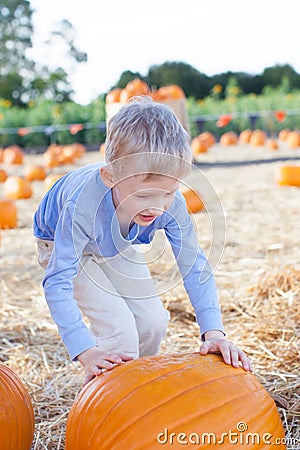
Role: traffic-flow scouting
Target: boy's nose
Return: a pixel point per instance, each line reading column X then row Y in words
column 155, row 211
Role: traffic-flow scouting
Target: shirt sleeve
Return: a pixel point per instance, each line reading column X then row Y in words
column 71, row 237
column 198, row 278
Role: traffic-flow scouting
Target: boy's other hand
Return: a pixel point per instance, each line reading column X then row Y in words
column 232, row 355
column 94, row 360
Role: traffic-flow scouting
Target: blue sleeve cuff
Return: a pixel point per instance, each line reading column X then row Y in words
column 78, row 341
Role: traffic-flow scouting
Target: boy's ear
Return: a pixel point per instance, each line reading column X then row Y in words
column 106, row 176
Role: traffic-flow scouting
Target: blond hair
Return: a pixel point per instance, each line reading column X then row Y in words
column 150, row 131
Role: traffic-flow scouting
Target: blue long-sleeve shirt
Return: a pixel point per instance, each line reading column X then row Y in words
column 78, row 214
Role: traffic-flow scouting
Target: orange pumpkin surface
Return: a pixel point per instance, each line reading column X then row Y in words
column 113, row 96
column 229, row 138
column 193, row 201
column 209, row 137
column 288, row 176
column 258, row 138
column 245, row 136
column 283, row 134
column 13, row 154
column 170, row 92
column 293, row 139
column 272, row 144
column 32, row 172
column 3, row 175
column 199, row 145
column 16, row 187
column 51, row 179
column 8, row 214
column 134, row 88
column 16, row 418
column 146, row 402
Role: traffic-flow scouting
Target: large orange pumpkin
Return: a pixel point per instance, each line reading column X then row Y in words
column 8, row 214
column 288, row 176
column 134, row 88
column 152, row 401
column 16, row 412
column 16, row 187
column 170, row 92
column 13, row 154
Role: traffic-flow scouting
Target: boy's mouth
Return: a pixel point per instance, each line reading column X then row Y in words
column 147, row 218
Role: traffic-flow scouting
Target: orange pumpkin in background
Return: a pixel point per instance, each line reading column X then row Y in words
column 199, row 145
column 134, row 88
column 283, row 134
column 16, row 188
column 170, row 92
column 272, row 144
column 32, row 172
column 293, row 139
column 245, row 136
column 167, row 399
column 8, row 214
column 209, row 137
column 288, row 175
column 17, row 417
column 1, row 155
column 51, row 179
column 229, row 138
column 193, row 200
column 13, row 154
column 3, row 175
column 113, row 95
column 258, row 138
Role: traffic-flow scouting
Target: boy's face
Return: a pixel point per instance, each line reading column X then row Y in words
column 140, row 200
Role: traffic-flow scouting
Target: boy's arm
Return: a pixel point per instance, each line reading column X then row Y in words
column 200, row 285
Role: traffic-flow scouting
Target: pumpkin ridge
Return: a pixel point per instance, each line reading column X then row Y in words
column 180, row 423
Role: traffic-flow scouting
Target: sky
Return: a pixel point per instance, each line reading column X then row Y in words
column 213, row 36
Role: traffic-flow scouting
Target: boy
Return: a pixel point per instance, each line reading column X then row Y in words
column 88, row 228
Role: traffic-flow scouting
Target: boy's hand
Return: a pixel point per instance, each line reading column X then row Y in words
column 216, row 343
column 94, row 360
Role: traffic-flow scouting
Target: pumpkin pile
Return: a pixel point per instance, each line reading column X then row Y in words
column 16, row 412
column 169, row 399
column 172, row 95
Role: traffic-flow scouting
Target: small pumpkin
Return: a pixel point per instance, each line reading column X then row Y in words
column 258, row 138
column 272, row 144
column 113, row 96
column 134, row 88
column 245, row 136
column 16, row 188
column 17, row 417
column 3, row 175
column 13, row 154
column 283, row 134
column 209, row 137
column 293, row 139
column 51, row 179
column 229, row 138
column 170, row 92
column 199, row 145
column 288, row 175
column 33, row 172
column 165, row 399
column 51, row 156
column 193, row 201
column 8, row 214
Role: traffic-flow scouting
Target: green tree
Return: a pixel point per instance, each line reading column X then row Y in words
column 21, row 78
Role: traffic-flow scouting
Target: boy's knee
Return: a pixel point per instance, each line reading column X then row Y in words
column 152, row 330
column 125, row 341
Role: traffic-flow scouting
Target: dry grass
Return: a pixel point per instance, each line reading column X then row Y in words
column 258, row 279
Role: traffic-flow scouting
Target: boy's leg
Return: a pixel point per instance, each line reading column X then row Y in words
column 131, row 276
column 111, row 321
